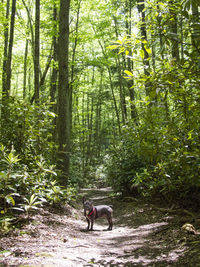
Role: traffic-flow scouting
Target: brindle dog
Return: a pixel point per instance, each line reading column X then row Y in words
column 95, row 212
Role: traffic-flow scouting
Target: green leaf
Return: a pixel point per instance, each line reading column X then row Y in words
column 128, row 73
column 10, row 200
column 112, row 47
column 142, row 53
column 33, row 198
column 119, row 42
column 148, row 50
column 51, row 114
column 121, row 50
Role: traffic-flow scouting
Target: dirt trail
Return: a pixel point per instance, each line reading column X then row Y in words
column 141, row 236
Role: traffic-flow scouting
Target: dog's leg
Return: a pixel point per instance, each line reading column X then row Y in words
column 110, row 223
column 92, row 222
column 88, row 221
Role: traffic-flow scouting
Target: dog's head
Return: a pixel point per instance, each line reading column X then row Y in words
column 87, row 205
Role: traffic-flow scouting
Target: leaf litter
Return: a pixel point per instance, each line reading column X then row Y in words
column 142, row 236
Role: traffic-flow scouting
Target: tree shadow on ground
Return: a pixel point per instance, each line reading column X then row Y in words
column 131, row 242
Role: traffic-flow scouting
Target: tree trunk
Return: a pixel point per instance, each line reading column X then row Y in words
column 90, row 127
column 83, row 122
column 37, row 52
column 64, row 116
column 114, row 100
column 5, row 58
column 25, row 69
column 141, row 10
column 74, row 56
column 129, row 63
column 54, row 74
column 44, row 74
column 10, row 47
column 7, row 65
column 195, row 36
column 31, row 27
column 174, row 31
column 121, row 91
column 121, row 86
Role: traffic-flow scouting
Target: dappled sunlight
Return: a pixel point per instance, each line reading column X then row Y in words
column 56, row 239
column 125, row 246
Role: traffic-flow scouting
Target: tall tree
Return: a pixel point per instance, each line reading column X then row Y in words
column 37, row 51
column 195, row 31
column 174, row 29
column 144, row 52
column 54, row 74
column 8, row 46
column 64, row 116
column 4, row 71
column 130, row 83
column 25, row 69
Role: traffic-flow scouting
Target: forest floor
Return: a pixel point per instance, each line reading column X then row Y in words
column 143, row 235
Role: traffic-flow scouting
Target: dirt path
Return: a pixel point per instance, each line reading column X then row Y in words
column 142, row 236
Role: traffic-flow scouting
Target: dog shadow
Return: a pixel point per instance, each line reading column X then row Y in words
column 83, row 230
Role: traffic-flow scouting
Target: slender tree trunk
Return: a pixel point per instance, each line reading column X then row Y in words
column 98, row 117
column 141, row 10
column 114, row 100
column 7, row 64
column 54, row 74
column 121, row 91
column 64, row 116
column 25, row 69
column 174, row 31
column 31, row 27
column 37, row 52
column 121, row 86
column 182, row 37
column 10, row 47
column 195, row 36
column 161, row 41
column 129, row 63
column 44, row 74
column 90, row 127
column 83, row 135
column 5, row 58
column 73, row 62
column 90, row 122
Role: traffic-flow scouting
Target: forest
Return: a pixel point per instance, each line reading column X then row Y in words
column 98, row 93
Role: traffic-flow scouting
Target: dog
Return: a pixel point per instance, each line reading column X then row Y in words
column 95, row 212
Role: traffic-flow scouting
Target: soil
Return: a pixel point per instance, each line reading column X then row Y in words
column 143, row 235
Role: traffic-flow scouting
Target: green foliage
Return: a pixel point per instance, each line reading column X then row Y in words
column 31, row 204
column 6, row 224
column 29, row 129
column 25, row 188
column 160, row 161
column 156, row 150
column 158, row 153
